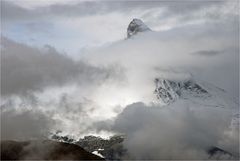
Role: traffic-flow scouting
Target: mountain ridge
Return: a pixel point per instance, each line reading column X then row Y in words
column 43, row 150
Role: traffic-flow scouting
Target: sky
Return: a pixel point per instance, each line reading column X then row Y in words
column 65, row 25
column 68, row 66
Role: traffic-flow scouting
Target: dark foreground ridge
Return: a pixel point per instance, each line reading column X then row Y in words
column 110, row 149
column 217, row 153
column 43, row 150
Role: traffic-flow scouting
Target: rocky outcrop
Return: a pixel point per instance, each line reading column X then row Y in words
column 168, row 91
column 217, row 153
column 136, row 26
column 110, row 149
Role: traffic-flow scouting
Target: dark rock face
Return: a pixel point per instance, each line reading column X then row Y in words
column 62, row 138
column 217, row 153
column 136, row 26
column 43, row 150
column 111, row 149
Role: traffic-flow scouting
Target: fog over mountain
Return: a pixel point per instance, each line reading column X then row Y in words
column 165, row 75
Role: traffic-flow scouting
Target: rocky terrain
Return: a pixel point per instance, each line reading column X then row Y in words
column 111, row 149
column 136, row 26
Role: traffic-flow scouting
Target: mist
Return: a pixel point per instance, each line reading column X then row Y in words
column 61, row 91
column 182, row 50
column 71, row 68
column 177, row 131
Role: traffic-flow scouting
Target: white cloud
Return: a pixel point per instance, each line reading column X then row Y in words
column 178, row 131
column 115, row 72
column 31, row 4
column 77, row 25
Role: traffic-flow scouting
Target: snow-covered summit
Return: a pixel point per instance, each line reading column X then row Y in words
column 168, row 91
column 135, row 26
column 201, row 93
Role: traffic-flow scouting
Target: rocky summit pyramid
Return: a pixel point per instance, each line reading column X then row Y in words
column 136, row 26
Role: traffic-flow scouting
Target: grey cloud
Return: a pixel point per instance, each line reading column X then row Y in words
column 186, row 7
column 34, row 117
column 27, row 124
column 28, row 76
column 227, row 51
column 43, row 27
column 172, row 49
column 25, row 68
column 14, row 12
column 172, row 132
column 11, row 11
column 206, row 52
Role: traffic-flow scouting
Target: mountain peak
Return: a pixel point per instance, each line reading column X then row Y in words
column 135, row 26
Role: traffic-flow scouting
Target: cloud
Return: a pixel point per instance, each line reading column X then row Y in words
column 207, row 52
column 177, row 131
column 158, row 11
column 73, row 27
column 77, row 96
column 172, row 51
column 31, row 4
column 71, row 110
column 83, row 8
column 26, row 68
column 77, row 93
column 47, row 87
column 24, row 125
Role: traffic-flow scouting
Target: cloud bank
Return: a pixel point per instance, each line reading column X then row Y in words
column 26, row 68
column 44, row 90
column 178, row 131
column 73, row 26
column 50, row 91
column 28, row 124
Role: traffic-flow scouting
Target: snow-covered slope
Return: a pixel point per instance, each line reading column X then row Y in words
column 169, row 90
column 199, row 96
